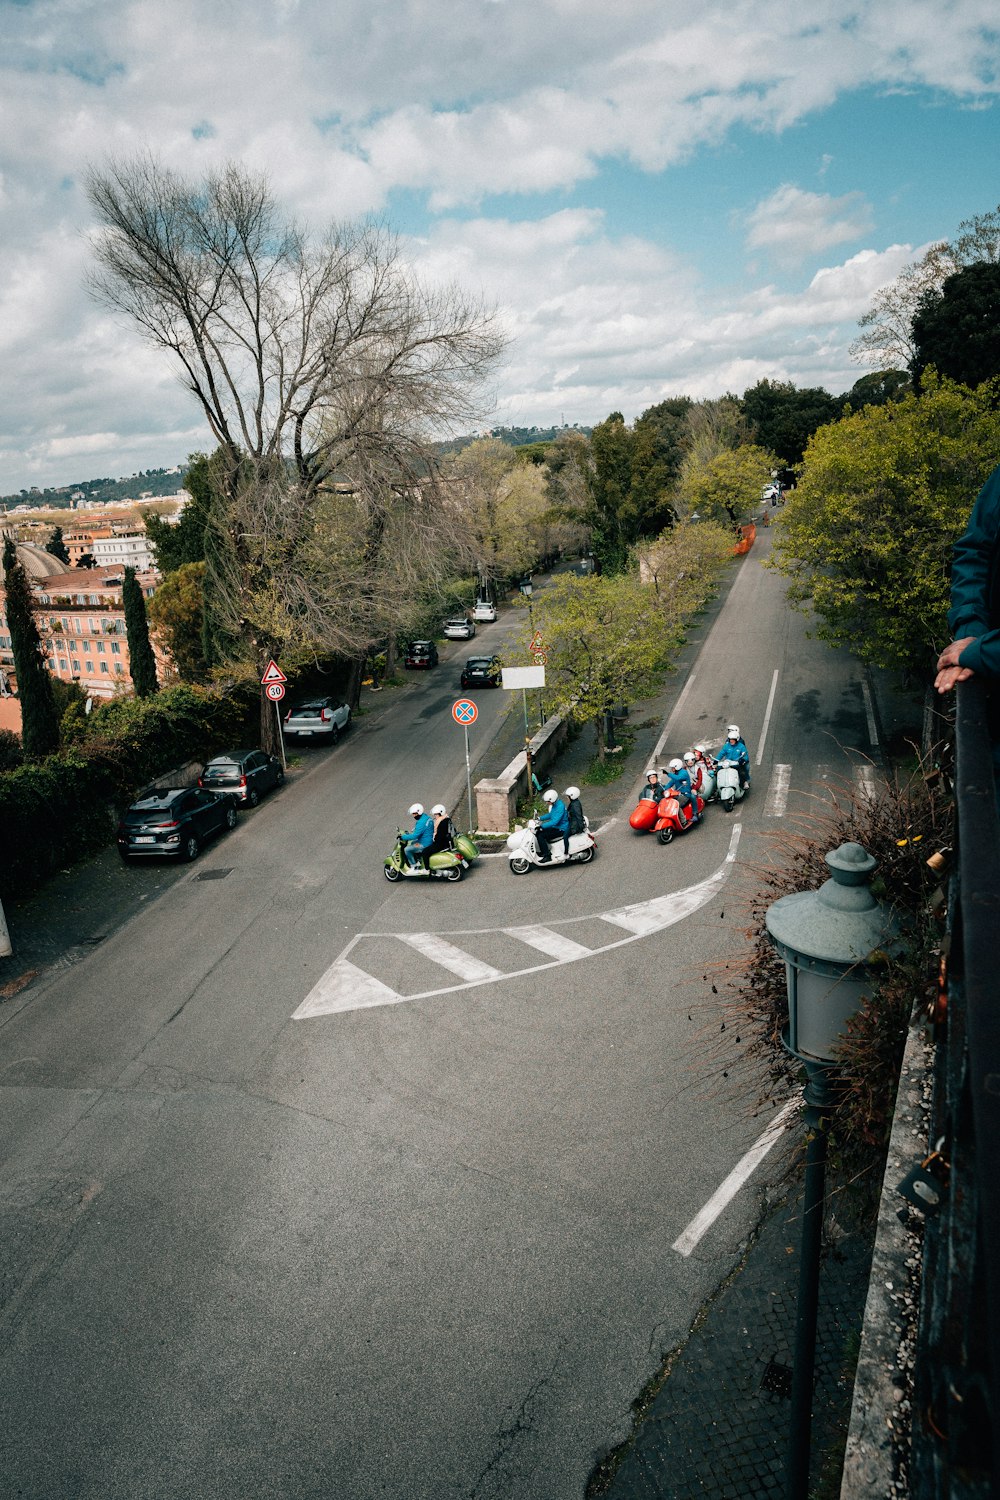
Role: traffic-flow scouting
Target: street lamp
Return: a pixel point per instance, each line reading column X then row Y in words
column 828, row 939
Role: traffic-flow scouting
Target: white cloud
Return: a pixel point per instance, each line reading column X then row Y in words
column 793, row 225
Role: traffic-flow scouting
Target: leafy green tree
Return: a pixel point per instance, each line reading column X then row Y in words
column 56, row 546
column 39, row 719
column 728, row 487
column 783, row 418
column 142, row 662
column 866, row 537
column 173, row 546
column 629, row 483
column 877, row 389
column 957, row 329
column 176, row 612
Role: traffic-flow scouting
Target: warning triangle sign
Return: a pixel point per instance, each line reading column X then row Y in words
column 272, row 673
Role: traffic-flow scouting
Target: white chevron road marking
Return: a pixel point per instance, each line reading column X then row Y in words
column 346, row 987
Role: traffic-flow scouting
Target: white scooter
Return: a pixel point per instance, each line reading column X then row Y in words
column 728, row 786
column 523, row 852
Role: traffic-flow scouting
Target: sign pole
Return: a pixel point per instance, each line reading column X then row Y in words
column 527, row 745
column 468, row 777
column 281, row 737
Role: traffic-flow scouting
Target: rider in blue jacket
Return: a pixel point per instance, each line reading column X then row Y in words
column 677, row 779
column 552, row 825
column 974, row 617
column 734, row 751
column 420, row 837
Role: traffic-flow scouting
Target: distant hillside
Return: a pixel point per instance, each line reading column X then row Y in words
column 147, row 482
column 516, row 437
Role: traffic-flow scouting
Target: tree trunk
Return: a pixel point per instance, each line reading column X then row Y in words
column 391, row 657
column 357, row 672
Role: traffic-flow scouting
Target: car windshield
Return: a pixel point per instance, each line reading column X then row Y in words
column 154, row 803
column 221, row 767
column 307, row 708
column 463, row 621
column 477, row 661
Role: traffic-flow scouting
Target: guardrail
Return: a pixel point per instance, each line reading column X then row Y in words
column 955, row 1453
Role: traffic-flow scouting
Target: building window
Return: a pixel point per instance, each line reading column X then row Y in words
column 116, row 650
column 100, row 648
column 73, row 647
column 63, row 664
column 86, row 647
column 119, row 669
column 104, row 666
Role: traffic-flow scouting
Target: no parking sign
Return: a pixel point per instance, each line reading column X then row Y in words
column 464, row 711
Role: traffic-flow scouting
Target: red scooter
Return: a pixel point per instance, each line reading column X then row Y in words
column 644, row 818
column 670, row 819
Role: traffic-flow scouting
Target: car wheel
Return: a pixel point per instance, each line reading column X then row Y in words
column 334, row 735
column 279, row 777
column 190, row 848
column 520, row 865
column 253, row 797
column 347, row 721
column 231, row 812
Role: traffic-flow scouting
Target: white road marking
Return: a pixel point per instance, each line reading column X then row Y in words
column 723, row 1195
column 346, row 987
column 547, row 941
column 767, row 717
column 870, row 714
column 777, row 793
column 668, row 726
column 864, row 781
column 449, row 957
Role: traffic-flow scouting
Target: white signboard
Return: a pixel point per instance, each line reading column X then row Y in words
column 522, row 677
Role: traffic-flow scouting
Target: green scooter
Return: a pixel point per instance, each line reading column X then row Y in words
column 449, row 864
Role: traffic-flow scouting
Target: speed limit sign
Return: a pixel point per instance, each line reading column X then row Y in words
column 275, row 691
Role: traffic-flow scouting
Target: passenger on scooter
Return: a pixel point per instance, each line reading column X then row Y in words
column 552, row 825
column 677, row 779
column 695, row 770
column 652, row 791
column 735, row 752
column 419, row 837
column 444, row 833
column 574, row 809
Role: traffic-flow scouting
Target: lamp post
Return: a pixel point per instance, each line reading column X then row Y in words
column 827, row 939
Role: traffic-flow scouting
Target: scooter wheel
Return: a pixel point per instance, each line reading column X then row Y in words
column 728, row 803
column 454, row 872
column 391, row 873
column 665, row 836
column 520, row 866
column 585, row 855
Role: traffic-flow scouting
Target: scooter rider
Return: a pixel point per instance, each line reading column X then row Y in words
column 444, row 833
column 653, row 790
column 677, row 779
column 736, row 753
column 695, row 770
column 552, row 825
column 419, row 838
column 574, row 809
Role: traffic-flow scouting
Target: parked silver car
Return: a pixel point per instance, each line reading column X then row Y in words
column 458, row 629
column 317, row 719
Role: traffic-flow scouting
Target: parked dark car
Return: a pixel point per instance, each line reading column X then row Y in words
column 421, row 654
column 317, row 719
column 173, row 821
column 243, row 774
column 481, row 671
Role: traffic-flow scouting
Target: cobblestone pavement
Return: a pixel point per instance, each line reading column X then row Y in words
column 718, row 1424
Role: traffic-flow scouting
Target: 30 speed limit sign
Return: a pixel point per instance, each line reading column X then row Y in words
column 275, row 691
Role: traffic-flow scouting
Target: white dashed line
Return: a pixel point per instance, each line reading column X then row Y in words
column 870, row 715
column 777, row 793
column 767, row 717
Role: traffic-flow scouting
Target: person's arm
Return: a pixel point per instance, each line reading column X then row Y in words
column 972, row 560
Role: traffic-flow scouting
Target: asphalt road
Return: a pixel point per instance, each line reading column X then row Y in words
column 420, row 1248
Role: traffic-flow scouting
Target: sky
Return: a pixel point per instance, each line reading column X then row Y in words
column 659, row 198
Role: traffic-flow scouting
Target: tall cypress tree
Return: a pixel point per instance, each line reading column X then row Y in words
column 142, row 662
column 39, row 719
column 56, row 546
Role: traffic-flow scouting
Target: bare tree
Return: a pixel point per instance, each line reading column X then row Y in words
column 307, row 359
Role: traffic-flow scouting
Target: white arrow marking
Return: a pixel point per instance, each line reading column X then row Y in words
column 777, row 793
column 346, row 987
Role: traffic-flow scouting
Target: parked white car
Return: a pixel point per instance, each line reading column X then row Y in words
column 458, row 629
column 317, row 718
column 484, row 611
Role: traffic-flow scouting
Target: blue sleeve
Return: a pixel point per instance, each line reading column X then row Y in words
column 970, row 571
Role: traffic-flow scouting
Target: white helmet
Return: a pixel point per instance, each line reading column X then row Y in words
column 572, row 791
column 733, row 732
column 652, row 772
column 549, row 796
column 676, row 765
column 689, row 757
column 438, row 809
column 701, row 749
column 416, row 809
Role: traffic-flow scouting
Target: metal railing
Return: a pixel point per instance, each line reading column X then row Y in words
column 956, row 1406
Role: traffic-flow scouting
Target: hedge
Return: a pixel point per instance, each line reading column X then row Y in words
column 57, row 810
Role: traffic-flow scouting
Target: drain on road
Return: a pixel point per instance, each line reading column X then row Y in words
column 777, row 1379
column 214, row 874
